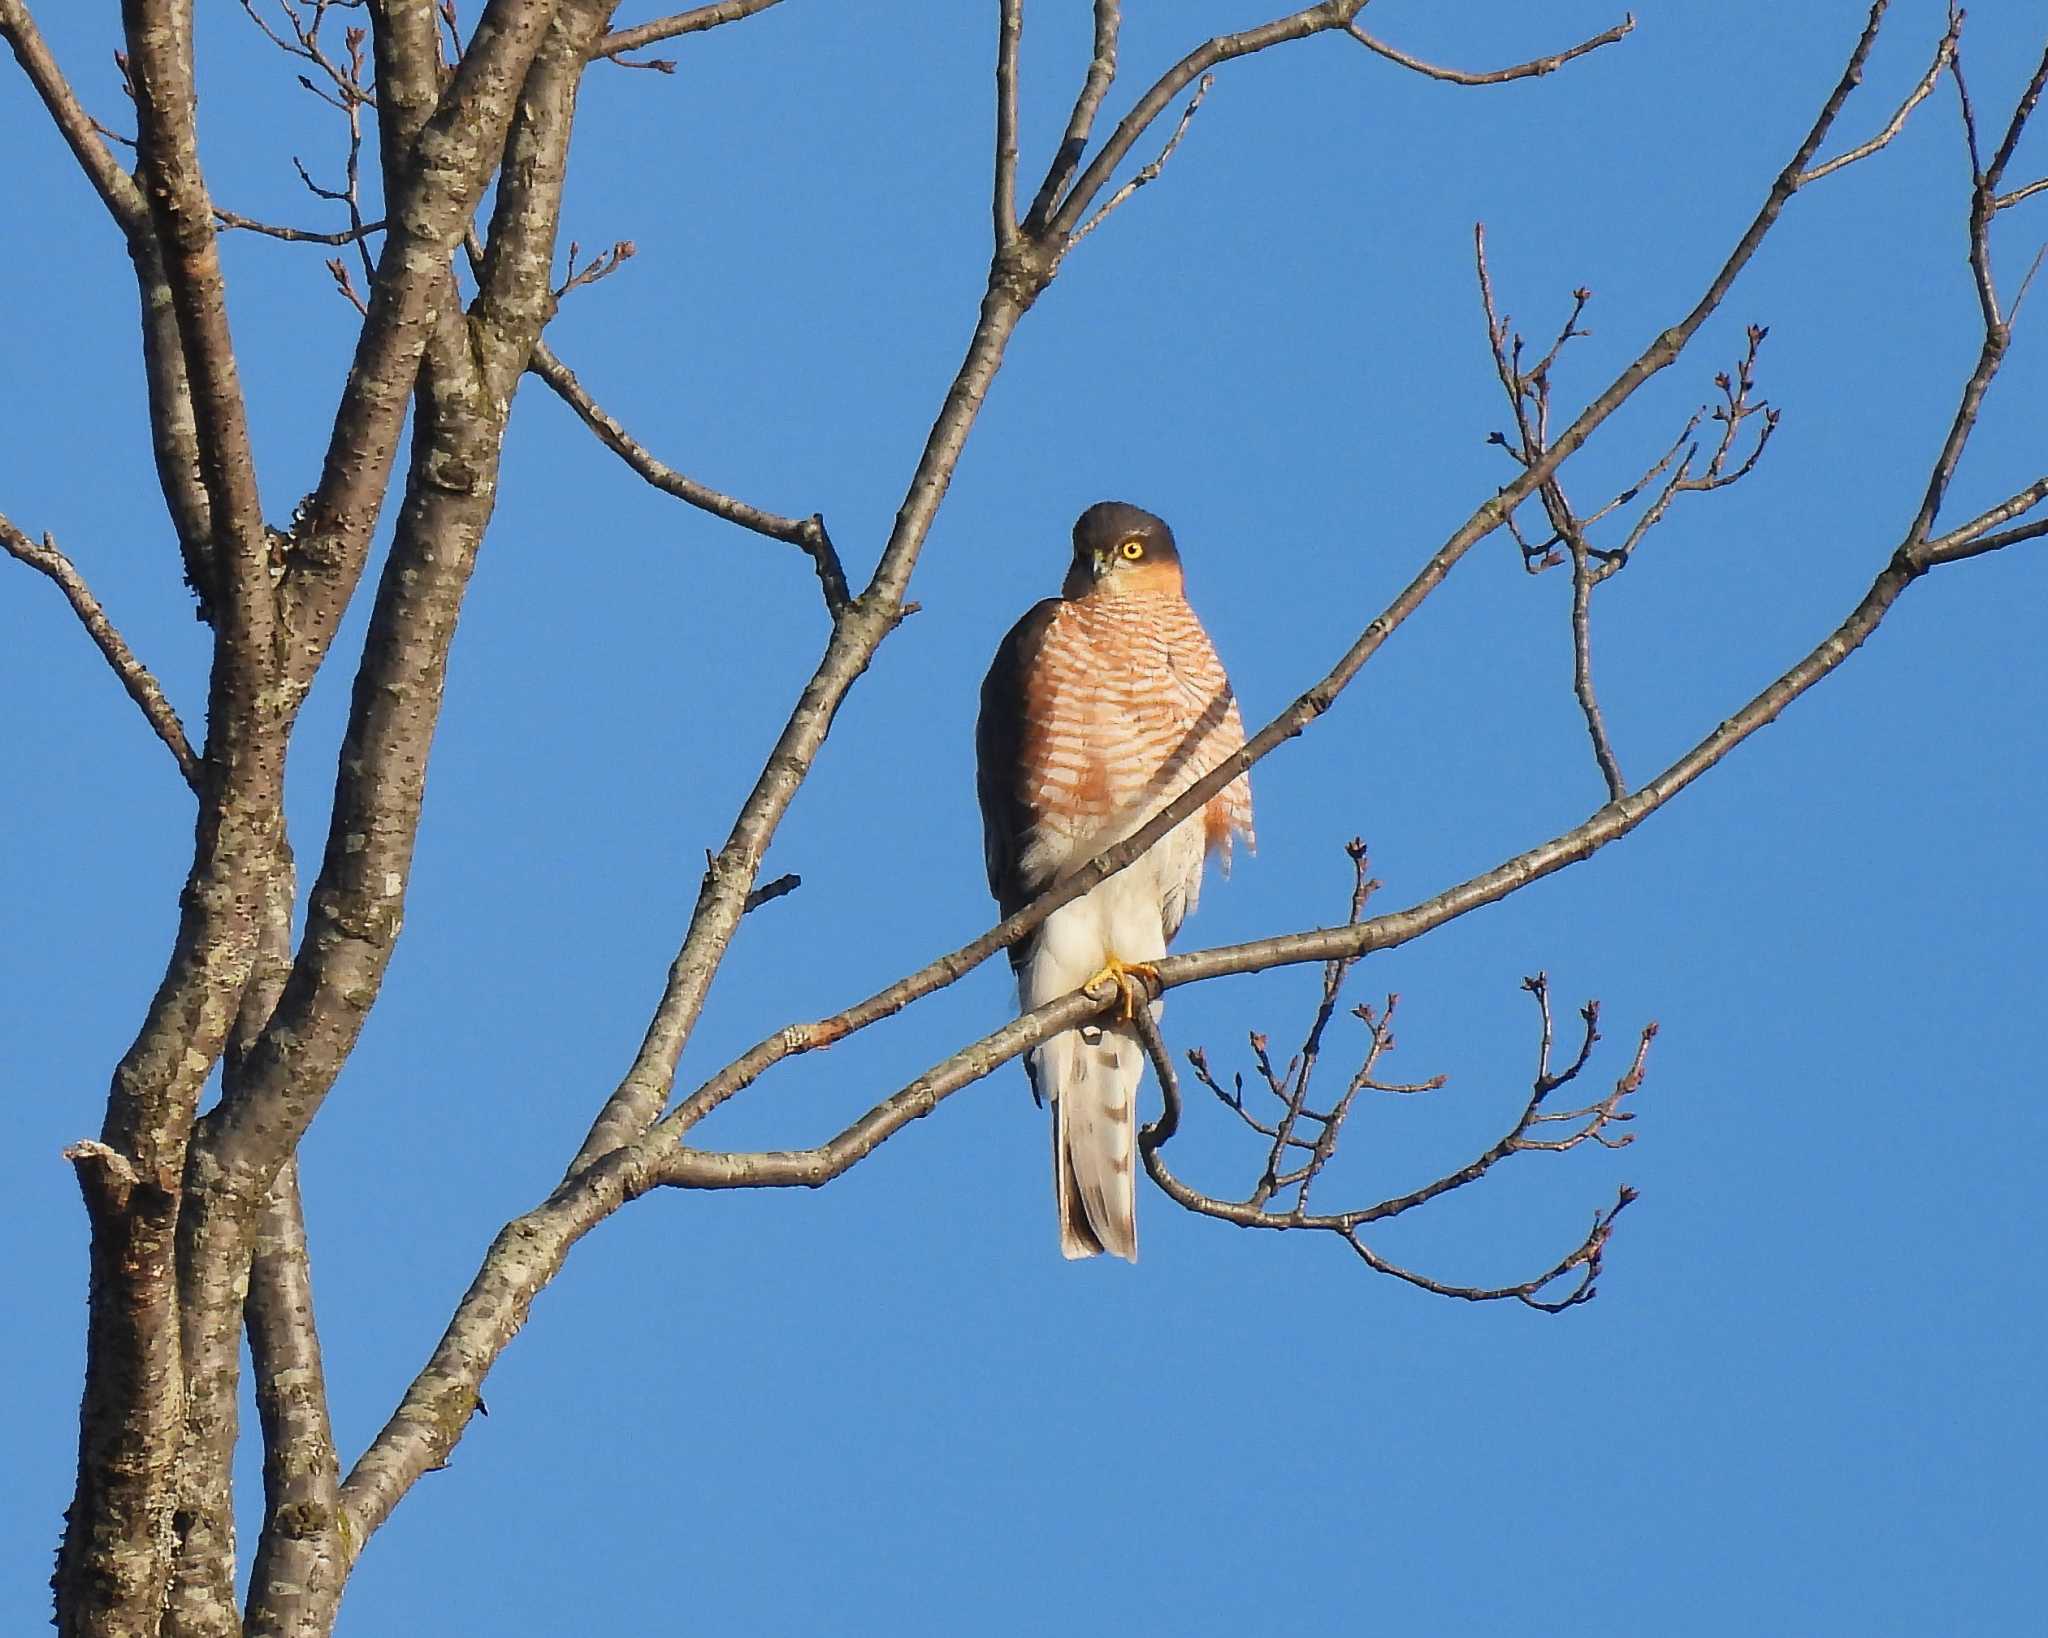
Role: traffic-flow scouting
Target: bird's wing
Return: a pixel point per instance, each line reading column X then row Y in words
column 1006, row 816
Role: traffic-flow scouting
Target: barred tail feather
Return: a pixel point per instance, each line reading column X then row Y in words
column 1092, row 1075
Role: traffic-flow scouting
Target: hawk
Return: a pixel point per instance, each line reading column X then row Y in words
column 1102, row 706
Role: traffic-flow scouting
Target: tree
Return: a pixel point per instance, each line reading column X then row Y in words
column 453, row 199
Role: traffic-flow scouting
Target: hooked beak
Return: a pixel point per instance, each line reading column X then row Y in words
column 1100, row 562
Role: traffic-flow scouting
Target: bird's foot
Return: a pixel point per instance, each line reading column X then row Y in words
column 1135, row 983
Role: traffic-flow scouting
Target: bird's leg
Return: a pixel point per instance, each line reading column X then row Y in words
column 1129, row 977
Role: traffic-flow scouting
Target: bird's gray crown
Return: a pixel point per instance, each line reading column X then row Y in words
column 1107, row 524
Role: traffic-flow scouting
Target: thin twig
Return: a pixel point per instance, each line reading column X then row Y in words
column 1681, row 444
column 306, row 236
column 2019, row 296
column 2023, row 110
column 1497, row 76
column 351, row 95
column 601, row 266
column 693, row 21
column 1160, row 1130
column 1292, row 1089
column 1062, row 219
column 1526, row 1135
column 1528, row 393
column 769, row 892
column 806, row 533
column 142, row 686
column 1997, row 327
column 1528, row 389
column 1149, row 172
column 346, row 285
column 1943, row 52
column 1582, row 670
column 1234, row 1099
column 2013, row 506
column 1587, row 1258
column 1979, row 545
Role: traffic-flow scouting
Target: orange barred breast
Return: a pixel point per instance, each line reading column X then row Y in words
column 1126, row 704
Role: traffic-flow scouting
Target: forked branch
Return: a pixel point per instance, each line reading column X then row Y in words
column 1148, row 173
column 1528, row 389
column 1060, row 215
column 1944, row 55
column 1279, row 1200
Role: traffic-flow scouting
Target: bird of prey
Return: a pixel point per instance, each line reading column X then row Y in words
column 1102, row 706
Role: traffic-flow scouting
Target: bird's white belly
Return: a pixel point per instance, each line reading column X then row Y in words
column 1120, row 917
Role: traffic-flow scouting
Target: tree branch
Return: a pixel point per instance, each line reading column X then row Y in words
column 1498, row 76
column 464, row 400
column 1095, row 86
column 807, row 533
column 303, row 236
column 528, row 1253
column 1606, row 825
column 1943, row 53
column 281, row 1068
column 1582, row 671
column 436, row 165
column 1257, row 1210
column 1008, row 32
column 856, row 634
column 515, row 297
column 116, row 188
column 524, row 1257
column 159, row 34
column 296, row 1578
column 1977, row 546
column 1014, row 283
column 1062, row 221
column 115, row 1567
column 173, row 429
column 769, row 892
column 2007, row 200
column 1997, row 326
column 630, row 1150
column 2016, row 505
column 693, row 21
column 1149, row 173
column 796, row 1039
column 211, row 1281
column 142, row 687
column 530, row 1250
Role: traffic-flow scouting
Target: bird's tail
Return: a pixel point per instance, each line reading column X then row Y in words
column 1092, row 1076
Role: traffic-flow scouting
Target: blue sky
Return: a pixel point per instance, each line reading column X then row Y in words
column 1807, row 1399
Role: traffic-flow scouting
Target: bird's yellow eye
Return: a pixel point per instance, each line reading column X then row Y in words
column 1132, row 549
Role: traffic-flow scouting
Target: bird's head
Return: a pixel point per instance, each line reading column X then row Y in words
column 1120, row 548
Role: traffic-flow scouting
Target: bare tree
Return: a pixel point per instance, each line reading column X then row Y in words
column 196, row 1229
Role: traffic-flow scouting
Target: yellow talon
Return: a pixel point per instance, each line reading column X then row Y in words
column 1126, row 976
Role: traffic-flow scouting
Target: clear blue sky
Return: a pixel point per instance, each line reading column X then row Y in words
column 1808, row 1399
